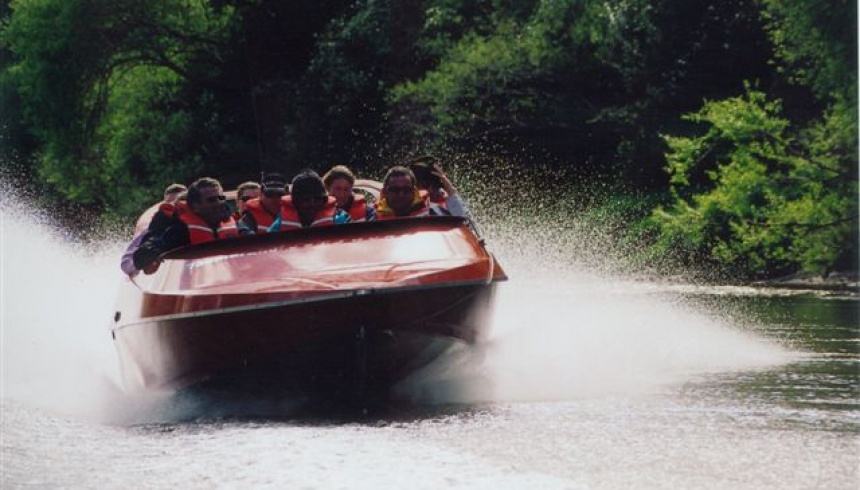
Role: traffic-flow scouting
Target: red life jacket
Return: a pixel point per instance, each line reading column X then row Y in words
column 167, row 208
column 199, row 231
column 290, row 215
column 440, row 200
column 262, row 217
column 173, row 209
column 167, row 214
column 357, row 209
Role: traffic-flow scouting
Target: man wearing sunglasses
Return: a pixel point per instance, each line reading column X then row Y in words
column 400, row 198
column 263, row 214
column 208, row 218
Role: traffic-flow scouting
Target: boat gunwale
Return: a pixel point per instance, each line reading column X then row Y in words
column 318, row 298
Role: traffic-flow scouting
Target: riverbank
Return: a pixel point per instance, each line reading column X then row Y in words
column 840, row 281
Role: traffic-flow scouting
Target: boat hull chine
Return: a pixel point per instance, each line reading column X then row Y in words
column 386, row 332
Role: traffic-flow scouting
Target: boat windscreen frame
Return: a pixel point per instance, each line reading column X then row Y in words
column 228, row 245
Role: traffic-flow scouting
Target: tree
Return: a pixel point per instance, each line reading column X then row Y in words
column 816, row 45
column 339, row 105
column 70, row 60
column 594, row 81
column 755, row 194
column 763, row 193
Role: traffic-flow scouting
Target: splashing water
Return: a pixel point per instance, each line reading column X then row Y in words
column 56, row 302
column 568, row 325
column 560, row 330
column 588, row 336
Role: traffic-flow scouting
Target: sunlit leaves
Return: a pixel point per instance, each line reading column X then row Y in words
column 753, row 191
column 74, row 67
column 816, row 44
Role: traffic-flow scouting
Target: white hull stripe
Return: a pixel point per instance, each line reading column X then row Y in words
column 289, row 302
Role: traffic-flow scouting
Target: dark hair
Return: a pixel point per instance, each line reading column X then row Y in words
column 338, row 172
column 428, row 160
column 398, row 171
column 308, row 183
column 274, row 181
column 422, row 167
column 197, row 185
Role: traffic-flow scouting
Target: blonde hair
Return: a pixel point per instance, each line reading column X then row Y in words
column 244, row 186
column 174, row 189
column 338, row 172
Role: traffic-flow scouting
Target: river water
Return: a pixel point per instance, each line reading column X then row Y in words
column 588, row 382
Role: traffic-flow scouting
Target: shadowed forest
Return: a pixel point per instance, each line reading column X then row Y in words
column 725, row 130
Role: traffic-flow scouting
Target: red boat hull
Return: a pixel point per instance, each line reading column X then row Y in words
column 373, row 301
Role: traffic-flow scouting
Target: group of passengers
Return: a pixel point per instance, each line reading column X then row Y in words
column 200, row 213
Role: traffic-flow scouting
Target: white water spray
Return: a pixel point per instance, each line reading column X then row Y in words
column 56, row 301
column 559, row 332
column 562, row 332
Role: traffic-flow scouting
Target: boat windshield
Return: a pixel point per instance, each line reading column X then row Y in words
column 357, row 253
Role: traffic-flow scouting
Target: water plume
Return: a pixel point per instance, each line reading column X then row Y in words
column 566, row 325
column 575, row 320
column 588, row 337
column 56, row 302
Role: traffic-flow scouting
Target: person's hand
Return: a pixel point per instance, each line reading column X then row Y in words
column 152, row 267
column 225, row 212
column 446, row 183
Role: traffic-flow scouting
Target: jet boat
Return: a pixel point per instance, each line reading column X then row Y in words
column 358, row 305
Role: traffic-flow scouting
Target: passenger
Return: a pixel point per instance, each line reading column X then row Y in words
column 400, row 197
column 168, row 212
column 207, row 218
column 263, row 214
column 160, row 221
column 430, row 177
column 339, row 181
column 173, row 192
column 309, row 204
column 244, row 193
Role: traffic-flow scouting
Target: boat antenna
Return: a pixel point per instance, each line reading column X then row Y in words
column 256, row 123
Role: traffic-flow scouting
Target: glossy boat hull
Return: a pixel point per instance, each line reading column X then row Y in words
column 314, row 306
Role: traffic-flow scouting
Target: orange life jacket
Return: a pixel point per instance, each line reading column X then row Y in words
column 262, row 217
column 290, row 215
column 357, row 209
column 173, row 209
column 199, row 230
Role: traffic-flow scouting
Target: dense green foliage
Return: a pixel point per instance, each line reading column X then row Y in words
column 107, row 89
column 107, row 101
column 761, row 194
column 595, row 80
column 776, row 197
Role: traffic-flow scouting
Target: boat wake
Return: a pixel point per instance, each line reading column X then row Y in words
column 588, row 336
column 558, row 333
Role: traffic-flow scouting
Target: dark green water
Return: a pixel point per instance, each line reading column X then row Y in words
column 820, row 386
